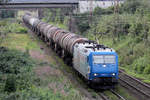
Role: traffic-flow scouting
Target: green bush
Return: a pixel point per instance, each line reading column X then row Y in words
column 131, row 6
column 83, row 25
column 21, row 30
column 3, row 23
column 7, row 14
column 38, row 93
column 6, row 27
column 100, row 11
column 147, row 69
column 135, row 6
column 17, row 28
column 10, row 85
column 15, row 73
column 141, row 64
column 12, row 61
column 25, row 80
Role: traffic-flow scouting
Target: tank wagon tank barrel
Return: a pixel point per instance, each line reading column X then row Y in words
column 60, row 37
column 91, row 60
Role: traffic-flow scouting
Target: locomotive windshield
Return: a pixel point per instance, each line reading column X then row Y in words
column 104, row 59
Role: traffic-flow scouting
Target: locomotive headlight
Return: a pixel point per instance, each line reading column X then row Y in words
column 104, row 65
column 113, row 74
column 95, row 74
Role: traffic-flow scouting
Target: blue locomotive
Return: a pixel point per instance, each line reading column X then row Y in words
column 96, row 63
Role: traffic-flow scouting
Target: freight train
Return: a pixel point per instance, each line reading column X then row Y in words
column 97, row 63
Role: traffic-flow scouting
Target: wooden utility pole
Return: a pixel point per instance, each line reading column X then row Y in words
column 116, row 6
column 70, row 18
column 116, row 19
column 91, row 11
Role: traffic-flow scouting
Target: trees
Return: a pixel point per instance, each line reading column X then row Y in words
column 131, row 6
column 3, row 30
column 6, row 13
column 134, row 6
column 100, row 11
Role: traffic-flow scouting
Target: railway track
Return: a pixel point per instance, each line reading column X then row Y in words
column 117, row 95
column 139, row 88
column 104, row 97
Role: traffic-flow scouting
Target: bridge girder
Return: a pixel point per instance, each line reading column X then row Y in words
column 37, row 5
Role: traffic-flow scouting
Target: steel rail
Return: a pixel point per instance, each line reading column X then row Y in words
column 136, row 84
column 146, row 85
column 141, row 91
column 118, row 95
column 102, row 95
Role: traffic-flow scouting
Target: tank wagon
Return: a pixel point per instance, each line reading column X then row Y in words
column 96, row 63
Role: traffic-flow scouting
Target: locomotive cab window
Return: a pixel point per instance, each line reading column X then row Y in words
column 104, row 59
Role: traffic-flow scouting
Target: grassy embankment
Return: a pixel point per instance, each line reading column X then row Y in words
column 36, row 75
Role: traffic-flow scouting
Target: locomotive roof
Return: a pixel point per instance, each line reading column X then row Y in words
column 87, row 48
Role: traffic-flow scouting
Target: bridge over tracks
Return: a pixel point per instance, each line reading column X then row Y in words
column 24, row 4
